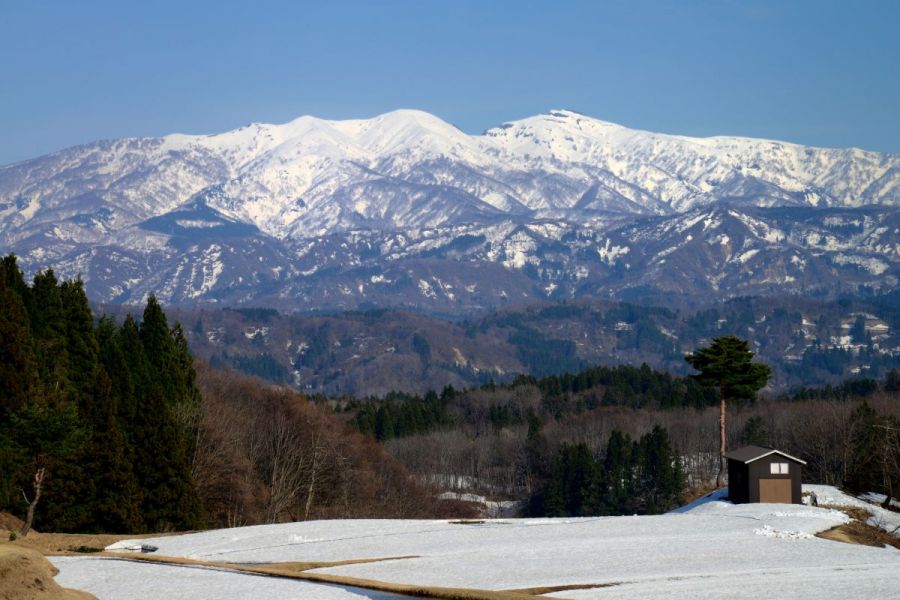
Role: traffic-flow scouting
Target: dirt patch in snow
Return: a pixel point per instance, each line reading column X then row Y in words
column 550, row 589
column 858, row 530
column 295, row 570
column 26, row 575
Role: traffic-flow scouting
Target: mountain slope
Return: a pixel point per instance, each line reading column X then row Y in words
column 555, row 205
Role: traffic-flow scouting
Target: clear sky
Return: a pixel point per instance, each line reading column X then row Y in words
column 814, row 72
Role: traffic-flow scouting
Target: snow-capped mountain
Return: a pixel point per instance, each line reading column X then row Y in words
column 405, row 209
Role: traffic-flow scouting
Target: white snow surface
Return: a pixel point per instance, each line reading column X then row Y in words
column 885, row 519
column 709, row 549
column 127, row 580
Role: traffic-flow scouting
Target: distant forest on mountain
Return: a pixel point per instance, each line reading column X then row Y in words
column 806, row 342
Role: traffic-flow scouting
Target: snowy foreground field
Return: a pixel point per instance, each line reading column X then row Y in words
column 710, row 549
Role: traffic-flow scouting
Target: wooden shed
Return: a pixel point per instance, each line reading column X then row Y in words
column 758, row 474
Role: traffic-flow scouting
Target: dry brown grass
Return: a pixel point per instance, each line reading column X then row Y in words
column 467, row 522
column 858, row 530
column 696, row 493
column 26, row 575
column 549, row 589
column 62, row 544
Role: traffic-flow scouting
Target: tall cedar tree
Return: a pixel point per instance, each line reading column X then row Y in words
column 116, row 502
column 661, row 479
column 162, row 462
column 18, row 367
column 48, row 327
column 726, row 363
column 618, row 485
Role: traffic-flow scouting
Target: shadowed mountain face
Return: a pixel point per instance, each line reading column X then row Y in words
column 405, row 210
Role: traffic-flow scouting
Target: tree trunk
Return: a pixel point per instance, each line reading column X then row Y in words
column 29, row 517
column 309, row 493
column 720, row 478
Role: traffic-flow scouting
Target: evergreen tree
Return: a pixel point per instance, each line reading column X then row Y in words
column 161, row 352
column 116, row 501
column 892, row 381
column 81, row 343
column 661, row 479
column 618, row 466
column 130, row 371
column 726, row 364
column 574, row 488
column 858, row 331
column 18, row 368
column 49, row 441
column 170, row 500
column 49, row 330
column 97, row 423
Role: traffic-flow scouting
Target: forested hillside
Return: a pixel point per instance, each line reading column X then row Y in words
column 106, row 427
column 805, row 341
column 96, row 419
column 109, row 425
column 614, row 440
column 267, row 454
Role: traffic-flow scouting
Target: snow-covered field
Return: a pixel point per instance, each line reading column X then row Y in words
column 710, row 549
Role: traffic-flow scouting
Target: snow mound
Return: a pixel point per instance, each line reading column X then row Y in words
column 131, row 546
column 769, row 531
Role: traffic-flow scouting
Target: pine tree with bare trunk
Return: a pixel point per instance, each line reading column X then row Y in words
column 726, row 363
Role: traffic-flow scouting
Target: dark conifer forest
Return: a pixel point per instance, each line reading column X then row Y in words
column 113, row 427
column 101, row 413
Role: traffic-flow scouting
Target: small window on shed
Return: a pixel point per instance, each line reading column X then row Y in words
column 778, row 468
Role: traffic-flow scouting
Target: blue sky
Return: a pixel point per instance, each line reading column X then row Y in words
column 821, row 73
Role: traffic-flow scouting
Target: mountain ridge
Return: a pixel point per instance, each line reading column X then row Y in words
column 554, row 204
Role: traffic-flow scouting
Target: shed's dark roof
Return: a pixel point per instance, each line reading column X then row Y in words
column 748, row 454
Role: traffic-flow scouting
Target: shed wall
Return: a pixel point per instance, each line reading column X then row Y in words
column 761, row 469
column 738, row 482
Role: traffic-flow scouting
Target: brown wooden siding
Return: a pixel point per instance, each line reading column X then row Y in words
column 744, row 478
column 775, row 490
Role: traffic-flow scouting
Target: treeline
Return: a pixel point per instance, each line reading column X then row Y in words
column 399, row 415
column 483, row 440
column 96, row 419
column 849, row 389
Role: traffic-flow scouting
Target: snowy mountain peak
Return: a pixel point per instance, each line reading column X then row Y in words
column 560, row 197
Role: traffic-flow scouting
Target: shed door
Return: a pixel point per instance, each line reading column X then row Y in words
column 775, row 490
